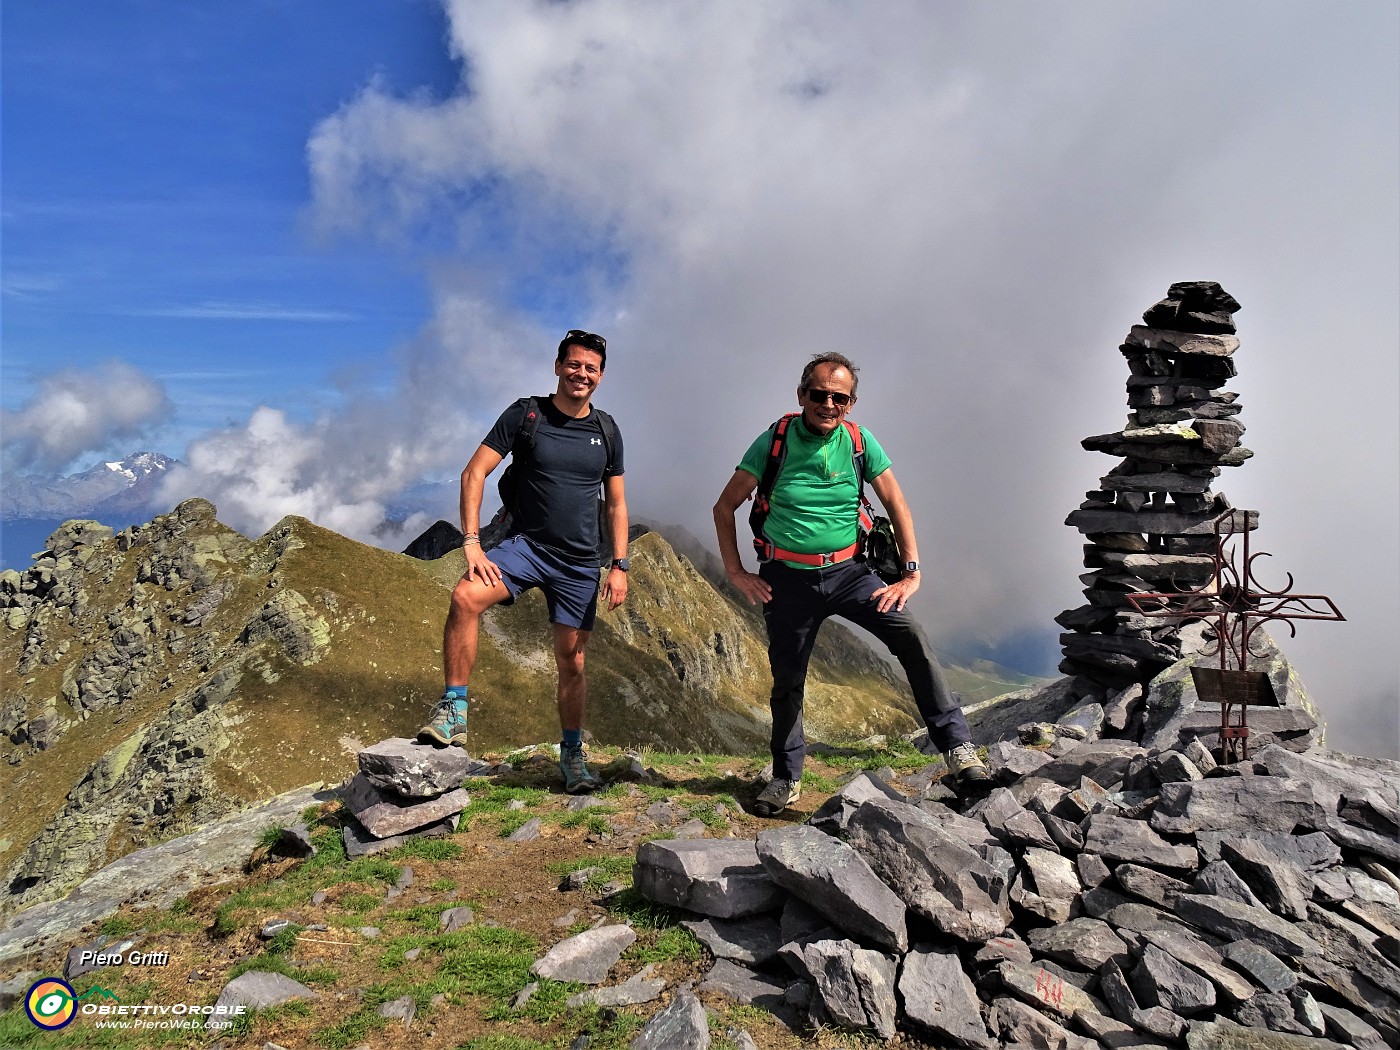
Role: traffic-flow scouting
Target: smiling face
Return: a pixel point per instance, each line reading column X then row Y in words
column 579, row 373
column 827, row 384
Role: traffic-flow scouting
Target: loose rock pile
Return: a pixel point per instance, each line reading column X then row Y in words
column 1103, row 894
column 1149, row 524
column 406, row 790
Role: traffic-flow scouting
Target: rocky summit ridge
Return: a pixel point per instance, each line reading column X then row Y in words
column 168, row 675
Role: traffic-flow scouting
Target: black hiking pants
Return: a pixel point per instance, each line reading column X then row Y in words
column 802, row 599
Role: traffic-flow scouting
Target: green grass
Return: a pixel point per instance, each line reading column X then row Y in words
column 659, row 946
column 642, row 913
column 284, row 942
column 117, row 926
column 442, row 885
column 818, row 782
column 428, row 916
column 504, row 1042
column 360, row 902
column 426, row 849
column 281, row 964
column 590, row 816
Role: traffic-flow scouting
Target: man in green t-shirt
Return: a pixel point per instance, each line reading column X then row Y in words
column 812, row 524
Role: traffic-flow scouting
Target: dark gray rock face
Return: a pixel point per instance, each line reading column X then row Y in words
column 854, row 986
column 939, row 998
column 680, row 1026
column 413, row 770
column 258, row 990
column 723, row 879
column 831, row 877
column 586, row 957
column 935, row 874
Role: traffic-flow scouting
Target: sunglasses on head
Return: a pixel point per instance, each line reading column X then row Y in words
column 587, row 340
column 837, row 398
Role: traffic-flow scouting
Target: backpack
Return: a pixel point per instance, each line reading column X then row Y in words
column 874, row 533
column 522, row 451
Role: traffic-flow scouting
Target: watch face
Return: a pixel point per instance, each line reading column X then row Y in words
column 621, row 563
column 911, row 566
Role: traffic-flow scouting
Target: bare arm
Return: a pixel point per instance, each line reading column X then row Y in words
column 482, row 463
column 892, row 499
column 615, row 586
column 740, row 487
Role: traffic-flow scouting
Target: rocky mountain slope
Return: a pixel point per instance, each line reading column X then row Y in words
column 160, row 678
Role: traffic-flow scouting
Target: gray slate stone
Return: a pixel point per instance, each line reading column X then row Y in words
column 586, row 957
column 413, row 770
column 1150, row 884
column 1223, row 1035
column 682, row 1025
column 1281, row 885
column 1047, row 885
column 831, row 877
column 1159, row 979
column 258, row 989
column 527, row 832
column 940, row 998
column 1084, row 943
column 754, row 940
column 1008, row 761
column 1241, row 803
column 453, row 919
column 854, row 986
column 402, row 1009
column 722, row 878
column 384, row 814
column 1046, row 989
column 360, row 843
column 1220, row 879
column 1346, row 1027
column 1272, row 1011
column 1192, row 951
column 835, row 813
column 1024, row 1026
column 1263, row 966
column 1102, row 761
column 1122, row 839
column 934, row 873
column 744, row 986
column 1235, row 921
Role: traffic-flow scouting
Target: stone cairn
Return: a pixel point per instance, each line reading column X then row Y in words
column 1104, row 895
column 1150, row 524
column 406, row 790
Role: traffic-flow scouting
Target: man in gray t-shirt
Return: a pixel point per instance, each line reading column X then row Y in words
column 574, row 448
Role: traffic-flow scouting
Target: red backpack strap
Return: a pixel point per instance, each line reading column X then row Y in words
column 758, row 514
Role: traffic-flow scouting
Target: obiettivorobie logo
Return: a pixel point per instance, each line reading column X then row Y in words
column 53, row 1004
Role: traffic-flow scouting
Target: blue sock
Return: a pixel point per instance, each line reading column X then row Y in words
column 573, row 737
column 455, row 692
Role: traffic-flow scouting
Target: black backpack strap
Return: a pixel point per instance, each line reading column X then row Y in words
column 608, row 426
column 758, row 514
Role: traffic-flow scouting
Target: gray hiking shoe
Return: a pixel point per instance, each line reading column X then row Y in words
column 447, row 725
column 777, row 796
column 966, row 767
column 577, row 779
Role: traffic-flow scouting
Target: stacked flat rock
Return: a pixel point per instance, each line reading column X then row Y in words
column 1105, row 895
column 1150, row 523
column 405, row 790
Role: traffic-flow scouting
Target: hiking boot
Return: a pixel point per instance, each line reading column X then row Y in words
column 967, row 768
column 447, row 724
column 777, row 796
column 577, row 779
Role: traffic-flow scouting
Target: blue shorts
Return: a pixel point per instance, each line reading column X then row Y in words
column 570, row 589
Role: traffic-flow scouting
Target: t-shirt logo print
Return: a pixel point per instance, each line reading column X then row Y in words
column 595, row 441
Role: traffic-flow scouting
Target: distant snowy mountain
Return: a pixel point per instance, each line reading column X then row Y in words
column 118, row 487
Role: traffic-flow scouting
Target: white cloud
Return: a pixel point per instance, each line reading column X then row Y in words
column 81, row 411
column 974, row 202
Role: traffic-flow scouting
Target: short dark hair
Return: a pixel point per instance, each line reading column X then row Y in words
column 586, row 340
column 832, row 358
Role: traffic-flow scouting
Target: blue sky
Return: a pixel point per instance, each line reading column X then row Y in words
column 155, row 186
column 312, row 248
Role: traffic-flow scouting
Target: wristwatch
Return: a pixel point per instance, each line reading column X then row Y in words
column 621, row 563
column 910, row 567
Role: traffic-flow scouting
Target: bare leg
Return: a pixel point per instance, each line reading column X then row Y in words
column 470, row 598
column 569, row 643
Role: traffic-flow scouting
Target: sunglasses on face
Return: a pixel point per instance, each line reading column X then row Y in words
column 837, row 398
column 587, row 340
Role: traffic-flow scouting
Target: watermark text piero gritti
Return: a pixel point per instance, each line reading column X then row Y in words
column 96, row 958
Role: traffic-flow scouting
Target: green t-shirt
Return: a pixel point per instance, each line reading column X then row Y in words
column 814, row 508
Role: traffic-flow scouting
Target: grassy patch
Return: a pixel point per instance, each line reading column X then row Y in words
column 359, row 903
column 642, row 913
column 817, row 782
column 428, row 916
column 426, row 849
column 118, row 926
column 549, row 1002
column 442, row 885
column 285, row 940
column 588, row 816
column 281, row 964
column 659, row 946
